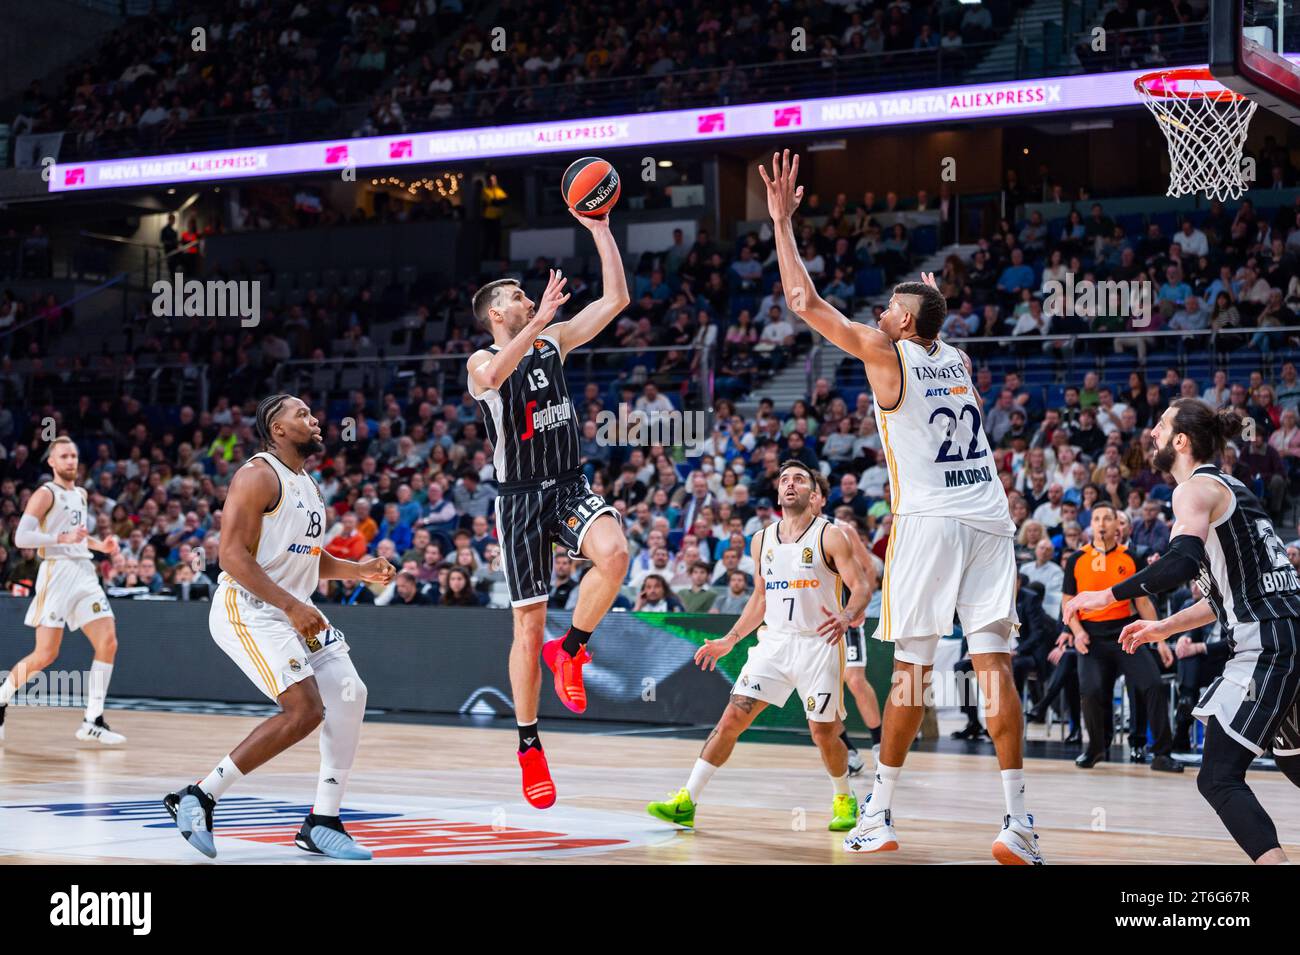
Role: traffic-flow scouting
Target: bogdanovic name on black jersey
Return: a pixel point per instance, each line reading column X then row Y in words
column 1249, row 576
column 530, row 418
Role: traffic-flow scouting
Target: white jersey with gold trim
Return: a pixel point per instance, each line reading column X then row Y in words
column 69, row 511
column 936, row 451
column 289, row 547
column 797, row 580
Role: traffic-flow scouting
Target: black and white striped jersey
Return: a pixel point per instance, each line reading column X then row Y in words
column 1249, row 577
column 530, row 418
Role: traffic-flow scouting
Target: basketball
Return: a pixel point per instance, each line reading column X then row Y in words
column 590, row 186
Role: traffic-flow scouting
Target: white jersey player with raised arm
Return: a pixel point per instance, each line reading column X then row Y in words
column 950, row 549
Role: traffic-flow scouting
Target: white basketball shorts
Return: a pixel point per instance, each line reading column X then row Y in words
column 67, row 594
column 938, row 568
column 263, row 644
column 783, row 663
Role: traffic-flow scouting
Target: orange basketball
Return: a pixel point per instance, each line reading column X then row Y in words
column 590, row 186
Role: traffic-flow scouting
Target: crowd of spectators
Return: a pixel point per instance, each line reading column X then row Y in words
column 216, row 73
column 1218, row 269
column 414, row 481
column 1145, row 34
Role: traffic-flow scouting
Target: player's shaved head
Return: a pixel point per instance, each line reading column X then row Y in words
column 486, row 298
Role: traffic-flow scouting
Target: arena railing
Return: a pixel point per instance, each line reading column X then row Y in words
column 331, row 379
column 1069, row 367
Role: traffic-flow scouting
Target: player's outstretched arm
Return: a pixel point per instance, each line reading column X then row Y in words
column 1139, row 632
column 1194, row 505
column 783, row 198
column 487, row 370
column 589, row 322
column 253, row 491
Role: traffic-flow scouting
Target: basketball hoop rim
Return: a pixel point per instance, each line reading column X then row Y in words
column 1198, row 74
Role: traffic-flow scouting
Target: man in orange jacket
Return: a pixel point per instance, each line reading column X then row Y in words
column 350, row 543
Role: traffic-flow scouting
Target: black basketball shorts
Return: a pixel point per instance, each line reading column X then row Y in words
column 531, row 521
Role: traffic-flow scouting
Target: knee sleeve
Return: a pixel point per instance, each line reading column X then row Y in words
column 344, row 694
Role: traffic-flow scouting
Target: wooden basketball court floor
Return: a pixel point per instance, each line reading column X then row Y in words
column 422, row 793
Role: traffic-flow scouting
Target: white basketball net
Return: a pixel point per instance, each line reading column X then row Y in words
column 1205, row 125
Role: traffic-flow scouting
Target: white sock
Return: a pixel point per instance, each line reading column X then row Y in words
column 1013, row 787
column 7, row 690
column 841, row 784
column 882, row 794
column 100, row 674
column 700, row 776
column 329, row 791
column 220, row 779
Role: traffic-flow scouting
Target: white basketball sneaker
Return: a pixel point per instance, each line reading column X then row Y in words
column 1017, row 844
column 873, row 833
column 856, row 765
column 99, row 731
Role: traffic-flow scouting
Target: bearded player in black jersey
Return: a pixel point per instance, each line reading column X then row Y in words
column 1223, row 539
column 544, row 496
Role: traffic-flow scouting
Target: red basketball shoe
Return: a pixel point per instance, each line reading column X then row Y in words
column 539, row 790
column 568, row 673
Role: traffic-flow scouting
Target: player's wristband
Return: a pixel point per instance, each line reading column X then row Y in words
column 1181, row 563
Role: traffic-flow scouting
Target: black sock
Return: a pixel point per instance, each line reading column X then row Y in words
column 875, row 735
column 575, row 640
column 848, row 742
column 528, row 737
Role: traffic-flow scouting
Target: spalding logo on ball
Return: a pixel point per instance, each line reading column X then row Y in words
column 590, row 186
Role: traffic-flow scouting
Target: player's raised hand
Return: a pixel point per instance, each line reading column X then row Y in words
column 592, row 223
column 377, row 570
column 928, row 279
column 833, row 627
column 783, row 192
column 552, row 298
column 1139, row 632
column 707, row 656
column 305, row 619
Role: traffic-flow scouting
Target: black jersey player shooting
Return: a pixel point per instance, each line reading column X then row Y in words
column 544, row 495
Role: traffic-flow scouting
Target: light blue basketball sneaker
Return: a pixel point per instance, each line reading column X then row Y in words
column 326, row 836
column 191, row 808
